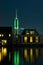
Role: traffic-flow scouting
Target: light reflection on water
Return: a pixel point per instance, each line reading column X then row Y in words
column 29, row 54
column 4, row 54
column 32, row 54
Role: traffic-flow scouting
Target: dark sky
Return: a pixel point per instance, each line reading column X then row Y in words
column 30, row 13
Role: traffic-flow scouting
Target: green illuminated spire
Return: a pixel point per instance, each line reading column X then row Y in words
column 16, row 23
column 16, row 58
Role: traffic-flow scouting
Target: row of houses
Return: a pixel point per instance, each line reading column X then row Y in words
column 28, row 36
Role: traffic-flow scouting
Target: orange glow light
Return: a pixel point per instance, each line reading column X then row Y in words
column 0, row 57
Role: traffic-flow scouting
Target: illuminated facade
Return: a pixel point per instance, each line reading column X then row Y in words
column 30, row 36
column 6, row 45
column 5, row 35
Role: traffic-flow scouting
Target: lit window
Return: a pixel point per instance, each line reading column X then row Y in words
column 0, row 35
column 31, row 39
column 31, row 32
column 9, row 35
column 37, row 39
column 4, row 42
column 27, row 32
column 25, row 39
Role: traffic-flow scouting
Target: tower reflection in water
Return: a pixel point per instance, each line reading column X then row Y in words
column 4, row 55
column 31, row 54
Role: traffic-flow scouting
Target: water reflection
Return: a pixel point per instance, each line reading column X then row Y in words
column 32, row 54
column 0, row 56
column 5, row 54
column 9, row 56
column 26, row 55
column 29, row 54
column 37, row 52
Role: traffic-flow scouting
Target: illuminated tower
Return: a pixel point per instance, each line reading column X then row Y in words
column 16, row 25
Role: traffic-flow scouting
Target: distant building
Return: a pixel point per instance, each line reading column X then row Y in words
column 5, row 43
column 5, row 36
column 30, row 32
column 41, row 38
column 30, row 35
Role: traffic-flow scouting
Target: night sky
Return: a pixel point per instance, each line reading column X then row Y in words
column 30, row 13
